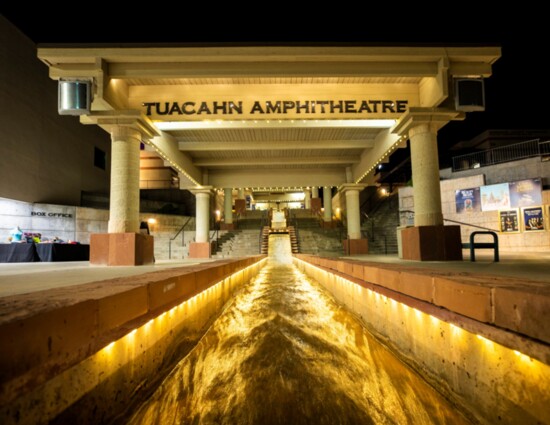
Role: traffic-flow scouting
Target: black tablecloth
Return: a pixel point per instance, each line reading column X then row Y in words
column 18, row 253
column 30, row 252
column 63, row 252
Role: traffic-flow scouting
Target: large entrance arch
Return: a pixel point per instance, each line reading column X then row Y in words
column 272, row 117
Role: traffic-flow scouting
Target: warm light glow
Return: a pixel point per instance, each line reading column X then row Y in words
column 152, row 220
column 200, row 125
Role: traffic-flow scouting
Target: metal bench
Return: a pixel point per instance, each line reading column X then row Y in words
column 473, row 245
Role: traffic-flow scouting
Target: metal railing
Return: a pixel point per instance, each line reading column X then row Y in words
column 182, row 231
column 411, row 213
column 513, row 152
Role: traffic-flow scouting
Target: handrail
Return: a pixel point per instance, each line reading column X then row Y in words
column 175, row 236
column 457, row 222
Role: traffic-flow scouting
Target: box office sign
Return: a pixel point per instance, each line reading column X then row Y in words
column 468, row 200
column 533, row 219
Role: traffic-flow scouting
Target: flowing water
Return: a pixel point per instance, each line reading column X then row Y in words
column 284, row 352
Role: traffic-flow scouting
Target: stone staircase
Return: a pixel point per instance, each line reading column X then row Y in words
column 294, row 243
column 243, row 243
column 381, row 226
column 323, row 242
column 265, row 240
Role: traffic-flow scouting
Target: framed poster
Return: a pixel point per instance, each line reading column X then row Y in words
column 509, row 221
column 526, row 193
column 495, row 197
column 533, row 219
column 468, row 200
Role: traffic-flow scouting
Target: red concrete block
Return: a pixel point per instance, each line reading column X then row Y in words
column 341, row 266
column 199, row 250
column 417, row 285
column 358, row 270
column 99, row 249
column 527, row 313
column 205, row 279
column 468, row 299
column 389, row 278
column 51, row 337
column 170, row 292
column 371, row 274
column 348, row 268
column 120, row 308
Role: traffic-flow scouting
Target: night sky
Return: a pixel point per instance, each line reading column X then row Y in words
column 517, row 95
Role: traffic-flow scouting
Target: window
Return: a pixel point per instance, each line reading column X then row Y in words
column 99, row 158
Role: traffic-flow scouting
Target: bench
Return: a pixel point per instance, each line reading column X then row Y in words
column 473, row 245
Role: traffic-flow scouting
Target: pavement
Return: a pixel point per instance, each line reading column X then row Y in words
column 22, row 278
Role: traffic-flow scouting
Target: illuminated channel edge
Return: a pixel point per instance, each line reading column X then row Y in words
column 419, row 315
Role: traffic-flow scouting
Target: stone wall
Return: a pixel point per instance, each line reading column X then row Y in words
column 522, row 241
column 77, row 223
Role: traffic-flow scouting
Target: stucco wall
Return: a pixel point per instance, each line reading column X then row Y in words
column 44, row 157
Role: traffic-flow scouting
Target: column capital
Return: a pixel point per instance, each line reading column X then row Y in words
column 115, row 120
column 347, row 187
column 209, row 190
column 433, row 118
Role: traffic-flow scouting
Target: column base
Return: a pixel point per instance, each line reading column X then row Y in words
column 316, row 205
column 356, row 246
column 432, row 243
column 121, row 249
column 240, row 206
column 227, row 226
column 199, row 250
column 328, row 224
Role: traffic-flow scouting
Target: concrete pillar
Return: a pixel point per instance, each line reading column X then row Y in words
column 241, row 193
column 353, row 214
column 228, row 205
column 123, row 245
column 354, row 244
column 314, row 192
column 307, row 199
column 425, row 175
column 124, row 205
column 349, row 175
column 202, row 219
column 327, row 204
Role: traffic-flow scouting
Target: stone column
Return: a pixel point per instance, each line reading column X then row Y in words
column 241, row 194
column 124, row 245
column 425, row 175
column 327, row 204
column 354, row 244
column 124, row 205
column 353, row 214
column 315, row 192
column 228, row 208
column 201, row 247
column 307, row 199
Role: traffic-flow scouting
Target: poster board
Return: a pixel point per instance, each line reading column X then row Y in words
column 509, row 220
column 468, row 200
column 526, row 193
column 495, row 197
column 533, row 219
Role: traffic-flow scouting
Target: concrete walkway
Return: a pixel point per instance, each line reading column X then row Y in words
column 22, row 278
column 527, row 265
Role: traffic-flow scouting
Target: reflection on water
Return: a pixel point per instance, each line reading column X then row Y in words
column 284, row 352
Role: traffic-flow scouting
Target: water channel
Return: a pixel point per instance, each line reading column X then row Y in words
column 285, row 352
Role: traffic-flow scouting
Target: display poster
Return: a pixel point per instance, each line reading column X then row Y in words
column 509, row 221
column 468, row 200
column 525, row 193
column 495, row 197
column 533, row 219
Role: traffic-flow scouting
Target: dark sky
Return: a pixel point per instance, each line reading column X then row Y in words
column 517, row 95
